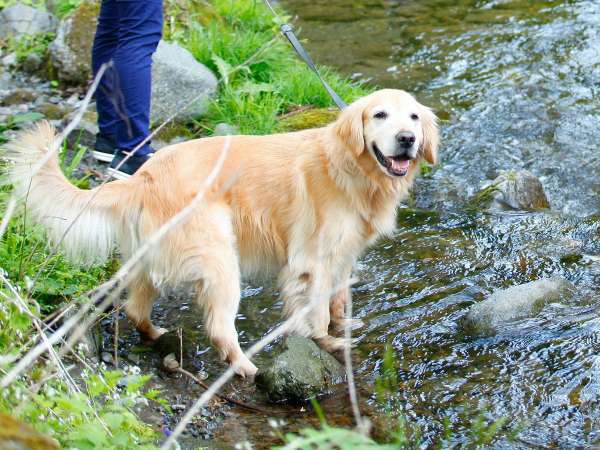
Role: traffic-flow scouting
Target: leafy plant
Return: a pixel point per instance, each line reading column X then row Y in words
column 260, row 75
column 27, row 44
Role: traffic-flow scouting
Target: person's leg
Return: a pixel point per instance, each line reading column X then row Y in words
column 140, row 30
column 106, row 41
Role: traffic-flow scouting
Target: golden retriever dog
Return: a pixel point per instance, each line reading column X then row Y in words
column 302, row 206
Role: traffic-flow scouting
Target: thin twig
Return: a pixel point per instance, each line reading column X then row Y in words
column 116, row 337
column 171, row 364
column 10, row 209
column 361, row 424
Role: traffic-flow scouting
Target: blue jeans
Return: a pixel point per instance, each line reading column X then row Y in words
column 128, row 33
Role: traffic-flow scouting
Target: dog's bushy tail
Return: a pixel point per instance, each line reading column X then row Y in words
column 84, row 221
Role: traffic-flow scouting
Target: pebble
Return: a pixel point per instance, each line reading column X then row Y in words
column 107, row 358
column 10, row 60
column 32, row 62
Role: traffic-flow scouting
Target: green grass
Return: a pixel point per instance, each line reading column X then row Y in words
column 261, row 77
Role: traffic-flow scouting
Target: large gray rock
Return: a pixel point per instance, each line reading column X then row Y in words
column 20, row 19
column 177, row 80
column 71, row 50
column 302, row 371
column 516, row 302
column 515, row 190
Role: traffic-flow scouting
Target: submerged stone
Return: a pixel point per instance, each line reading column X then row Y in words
column 516, row 302
column 515, row 189
column 301, row 372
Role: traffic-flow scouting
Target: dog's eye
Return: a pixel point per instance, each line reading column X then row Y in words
column 380, row 115
column 414, row 116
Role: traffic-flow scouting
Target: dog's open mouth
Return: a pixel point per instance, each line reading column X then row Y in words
column 395, row 165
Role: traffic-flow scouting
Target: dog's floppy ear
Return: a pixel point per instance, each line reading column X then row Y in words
column 431, row 136
column 349, row 127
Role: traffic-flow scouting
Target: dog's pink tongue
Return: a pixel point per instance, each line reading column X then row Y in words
column 400, row 165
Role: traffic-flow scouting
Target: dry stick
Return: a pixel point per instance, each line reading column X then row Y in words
column 170, row 364
column 116, row 338
column 10, row 209
column 361, row 424
column 121, row 275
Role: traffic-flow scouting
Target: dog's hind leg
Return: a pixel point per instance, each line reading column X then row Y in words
column 301, row 290
column 139, row 306
column 218, row 286
column 337, row 310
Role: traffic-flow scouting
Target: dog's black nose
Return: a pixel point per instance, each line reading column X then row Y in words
column 406, row 139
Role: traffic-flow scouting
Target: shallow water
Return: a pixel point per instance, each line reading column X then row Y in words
column 517, row 85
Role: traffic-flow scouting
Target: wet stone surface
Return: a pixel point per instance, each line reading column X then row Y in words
column 516, row 302
column 300, row 372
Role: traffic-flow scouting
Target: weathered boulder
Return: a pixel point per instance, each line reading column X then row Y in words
column 516, row 302
column 71, row 50
column 20, row 19
column 515, row 190
column 16, row 435
column 177, row 80
column 301, row 372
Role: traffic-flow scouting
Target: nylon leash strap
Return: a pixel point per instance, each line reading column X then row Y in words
column 288, row 32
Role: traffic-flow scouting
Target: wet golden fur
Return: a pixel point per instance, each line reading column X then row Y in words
column 302, row 205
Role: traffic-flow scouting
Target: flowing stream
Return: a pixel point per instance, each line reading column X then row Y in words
column 517, row 86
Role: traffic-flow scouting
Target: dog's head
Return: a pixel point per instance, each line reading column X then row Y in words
column 393, row 128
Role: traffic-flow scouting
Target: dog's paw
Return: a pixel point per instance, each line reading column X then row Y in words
column 156, row 332
column 341, row 324
column 332, row 344
column 244, row 368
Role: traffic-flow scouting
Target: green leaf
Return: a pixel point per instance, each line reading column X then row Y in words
column 223, row 67
column 26, row 118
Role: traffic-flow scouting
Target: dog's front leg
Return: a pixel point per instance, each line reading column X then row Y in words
column 339, row 302
column 306, row 296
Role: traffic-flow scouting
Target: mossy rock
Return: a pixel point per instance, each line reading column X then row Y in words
column 52, row 111
column 15, row 435
column 18, row 96
column 174, row 132
column 307, row 118
column 301, row 372
column 513, row 189
column 70, row 51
